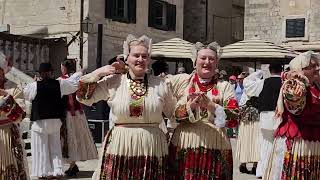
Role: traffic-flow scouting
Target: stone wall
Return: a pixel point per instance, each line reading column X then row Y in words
column 266, row 19
column 61, row 18
column 116, row 32
column 217, row 24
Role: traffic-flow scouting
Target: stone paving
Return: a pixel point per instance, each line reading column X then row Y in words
column 87, row 168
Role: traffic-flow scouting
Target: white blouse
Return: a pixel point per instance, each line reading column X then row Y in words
column 114, row 89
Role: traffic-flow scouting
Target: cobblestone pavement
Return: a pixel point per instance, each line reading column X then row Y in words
column 87, row 168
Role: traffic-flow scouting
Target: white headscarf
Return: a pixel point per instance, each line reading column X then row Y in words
column 303, row 60
column 147, row 42
column 198, row 46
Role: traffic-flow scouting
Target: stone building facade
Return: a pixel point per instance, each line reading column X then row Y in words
column 193, row 20
column 293, row 23
column 213, row 20
column 52, row 19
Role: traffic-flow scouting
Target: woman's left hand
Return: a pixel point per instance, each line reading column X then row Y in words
column 205, row 102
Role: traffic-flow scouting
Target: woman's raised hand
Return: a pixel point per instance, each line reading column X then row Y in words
column 105, row 71
column 201, row 100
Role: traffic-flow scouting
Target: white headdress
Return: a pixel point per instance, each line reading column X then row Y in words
column 146, row 41
column 198, row 46
column 303, row 60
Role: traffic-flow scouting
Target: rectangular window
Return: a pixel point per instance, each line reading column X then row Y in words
column 295, row 28
column 162, row 15
column 121, row 10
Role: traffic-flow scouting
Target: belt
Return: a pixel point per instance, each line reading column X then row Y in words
column 137, row 125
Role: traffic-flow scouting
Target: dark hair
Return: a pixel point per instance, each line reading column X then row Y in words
column 275, row 68
column 159, row 67
column 70, row 65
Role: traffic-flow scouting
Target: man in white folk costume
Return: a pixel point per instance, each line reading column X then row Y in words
column 46, row 114
column 267, row 103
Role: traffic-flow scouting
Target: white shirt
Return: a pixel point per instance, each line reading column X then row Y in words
column 67, row 86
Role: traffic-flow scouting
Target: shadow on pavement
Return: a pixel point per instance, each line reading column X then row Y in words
column 82, row 175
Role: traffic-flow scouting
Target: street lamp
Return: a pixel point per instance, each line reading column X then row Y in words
column 86, row 25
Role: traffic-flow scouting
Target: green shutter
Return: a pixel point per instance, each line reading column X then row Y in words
column 151, row 13
column 171, row 17
column 108, row 8
column 132, row 6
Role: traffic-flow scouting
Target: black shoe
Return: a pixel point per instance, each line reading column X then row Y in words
column 73, row 171
column 253, row 170
column 67, row 171
column 243, row 169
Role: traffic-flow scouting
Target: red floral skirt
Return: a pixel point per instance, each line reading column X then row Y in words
column 295, row 159
column 200, row 151
column 134, row 153
column 12, row 155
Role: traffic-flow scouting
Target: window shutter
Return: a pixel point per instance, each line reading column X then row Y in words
column 171, row 17
column 151, row 13
column 108, row 8
column 132, row 6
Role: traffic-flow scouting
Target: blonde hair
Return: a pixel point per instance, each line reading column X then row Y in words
column 133, row 41
column 214, row 46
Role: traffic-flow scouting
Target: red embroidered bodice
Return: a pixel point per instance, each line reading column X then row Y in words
column 307, row 124
column 72, row 104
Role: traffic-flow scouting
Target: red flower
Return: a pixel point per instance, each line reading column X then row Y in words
column 192, row 90
column 232, row 104
column 232, row 123
column 215, row 92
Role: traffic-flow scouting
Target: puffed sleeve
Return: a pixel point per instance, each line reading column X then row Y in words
column 183, row 112
column 175, row 88
column 178, row 84
column 92, row 90
column 10, row 111
column 230, row 105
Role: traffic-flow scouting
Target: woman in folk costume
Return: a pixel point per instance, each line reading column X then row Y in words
column 200, row 148
column 296, row 149
column 249, row 130
column 74, row 126
column 13, row 164
column 135, row 148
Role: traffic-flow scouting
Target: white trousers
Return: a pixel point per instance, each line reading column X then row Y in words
column 267, row 122
column 46, row 153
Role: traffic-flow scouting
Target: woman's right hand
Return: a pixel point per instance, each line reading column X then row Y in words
column 105, row 71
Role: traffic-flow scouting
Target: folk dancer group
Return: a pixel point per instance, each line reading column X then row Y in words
column 198, row 106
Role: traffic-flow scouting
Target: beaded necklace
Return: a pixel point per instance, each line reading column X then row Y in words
column 197, row 86
column 137, row 89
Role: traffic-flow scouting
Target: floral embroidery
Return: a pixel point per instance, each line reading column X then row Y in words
column 134, row 167
column 18, row 171
column 86, row 90
column 138, row 89
column 296, row 166
column 200, row 163
column 11, row 110
column 249, row 111
column 181, row 112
